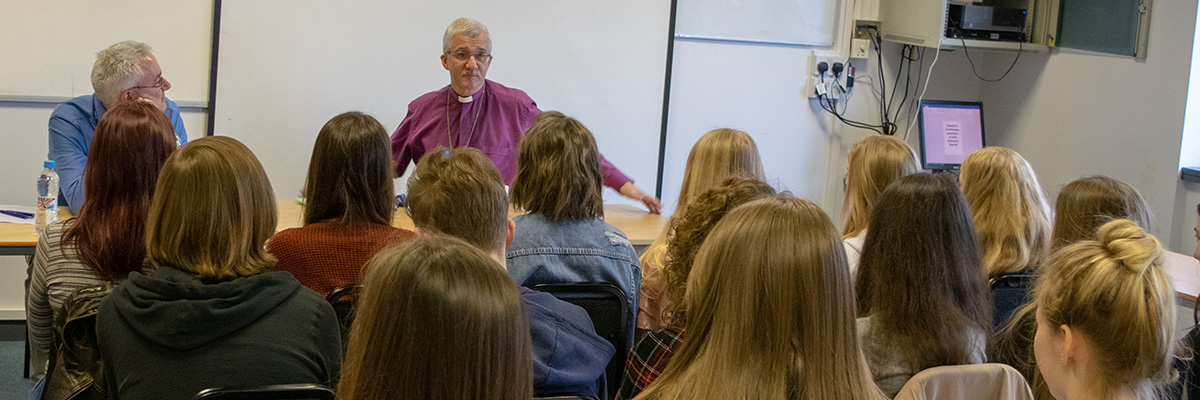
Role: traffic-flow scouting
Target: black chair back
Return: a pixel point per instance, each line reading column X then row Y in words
column 273, row 392
column 1009, row 292
column 344, row 300
column 607, row 307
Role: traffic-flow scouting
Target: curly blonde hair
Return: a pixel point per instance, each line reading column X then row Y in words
column 690, row 230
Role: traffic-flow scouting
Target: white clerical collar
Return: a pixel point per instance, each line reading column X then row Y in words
column 465, row 100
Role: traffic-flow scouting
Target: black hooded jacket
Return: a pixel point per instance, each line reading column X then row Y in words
column 167, row 335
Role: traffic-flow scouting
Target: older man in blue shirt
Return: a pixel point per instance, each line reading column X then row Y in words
column 126, row 71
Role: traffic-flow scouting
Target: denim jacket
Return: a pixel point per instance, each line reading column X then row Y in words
column 575, row 251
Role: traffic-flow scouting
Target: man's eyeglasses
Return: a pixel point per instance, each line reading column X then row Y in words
column 462, row 56
column 157, row 85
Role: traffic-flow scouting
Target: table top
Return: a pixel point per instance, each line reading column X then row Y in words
column 640, row 226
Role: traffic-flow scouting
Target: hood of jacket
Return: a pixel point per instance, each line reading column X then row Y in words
column 171, row 308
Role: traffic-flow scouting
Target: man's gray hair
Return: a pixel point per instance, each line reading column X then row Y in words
column 465, row 25
column 117, row 68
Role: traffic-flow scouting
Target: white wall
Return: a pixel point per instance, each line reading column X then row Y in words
column 1073, row 114
column 758, row 89
column 286, row 67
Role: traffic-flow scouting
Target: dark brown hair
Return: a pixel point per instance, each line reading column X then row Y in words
column 558, row 170
column 438, row 320
column 920, row 278
column 213, row 211
column 131, row 143
column 691, row 228
column 460, row 193
column 350, row 175
column 1086, row 203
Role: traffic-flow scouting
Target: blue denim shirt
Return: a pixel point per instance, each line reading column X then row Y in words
column 72, row 125
column 575, row 251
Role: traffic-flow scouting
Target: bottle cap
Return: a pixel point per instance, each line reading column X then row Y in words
column 48, row 164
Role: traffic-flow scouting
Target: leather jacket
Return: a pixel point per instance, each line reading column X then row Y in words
column 76, row 370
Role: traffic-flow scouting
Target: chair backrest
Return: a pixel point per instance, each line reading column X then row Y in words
column 1009, row 292
column 344, row 300
column 272, row 392
column 606, row 306
column 978, row 381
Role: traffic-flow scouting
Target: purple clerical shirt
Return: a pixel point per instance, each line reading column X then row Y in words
column 493, row 123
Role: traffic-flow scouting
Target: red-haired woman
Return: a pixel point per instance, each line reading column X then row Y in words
column 106, row 241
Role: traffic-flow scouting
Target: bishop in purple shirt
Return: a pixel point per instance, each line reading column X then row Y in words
column 473, row 111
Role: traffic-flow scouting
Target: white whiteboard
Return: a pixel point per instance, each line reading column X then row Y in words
column 49, row 46
column 798, row 22
column 287, row 66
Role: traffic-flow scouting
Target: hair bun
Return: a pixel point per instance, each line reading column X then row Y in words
column 1130, row 245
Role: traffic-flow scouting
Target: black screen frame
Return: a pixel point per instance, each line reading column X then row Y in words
column 925, row 164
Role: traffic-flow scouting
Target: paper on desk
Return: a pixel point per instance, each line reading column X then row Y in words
column 1184, row 272
column 14, row 220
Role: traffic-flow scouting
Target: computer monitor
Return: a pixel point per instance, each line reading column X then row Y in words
column 950, row 130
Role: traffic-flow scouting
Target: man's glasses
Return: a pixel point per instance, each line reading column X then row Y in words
column 462, row 56
column 157, row 85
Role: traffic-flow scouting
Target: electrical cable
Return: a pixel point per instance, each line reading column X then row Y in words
column 1020, row 49
column 936, row 54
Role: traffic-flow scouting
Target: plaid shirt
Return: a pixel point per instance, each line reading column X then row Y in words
column 647, row 360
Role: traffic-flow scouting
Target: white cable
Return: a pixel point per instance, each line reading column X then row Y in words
column 927, row 77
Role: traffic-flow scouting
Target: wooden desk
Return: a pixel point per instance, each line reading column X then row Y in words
column 639, row 226
column 21, row 239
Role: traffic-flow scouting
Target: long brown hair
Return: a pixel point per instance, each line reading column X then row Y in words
column 131, row 143
column 689, row 231
column 558, row 170
column 350, row 174
column 438, row 320
column 213, row 211
column 1086, row 203
column 874, row 163
column 920, row 280
column 771, row 314
column 1010, row 211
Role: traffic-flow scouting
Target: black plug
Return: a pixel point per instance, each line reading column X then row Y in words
column 822, row 67
column 837, row 69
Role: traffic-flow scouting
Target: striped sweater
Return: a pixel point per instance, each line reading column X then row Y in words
column 57, row 273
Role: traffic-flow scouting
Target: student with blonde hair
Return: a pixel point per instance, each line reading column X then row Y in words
column 771, row 313
column 1106, row 317
column 1081, row 208
column 1010, row 211
column 874, row 163
column 212, row 314
column 349, row 206
column 438, row 320
column 922, row 297
column 653, row 350
column 562, row 237
column 719, row 154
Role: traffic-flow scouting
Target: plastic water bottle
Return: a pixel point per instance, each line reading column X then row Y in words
column 47, row 205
